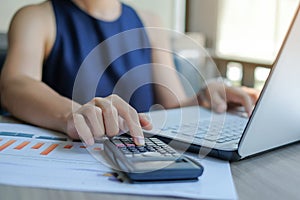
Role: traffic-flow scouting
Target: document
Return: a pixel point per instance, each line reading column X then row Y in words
column 36, row 157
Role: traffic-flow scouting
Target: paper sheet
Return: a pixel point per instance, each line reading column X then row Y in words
column 35, row 157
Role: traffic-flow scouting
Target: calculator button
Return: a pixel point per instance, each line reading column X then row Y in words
column 120, row 145
column 153, row 148
column 151, row 154
column 142, row 149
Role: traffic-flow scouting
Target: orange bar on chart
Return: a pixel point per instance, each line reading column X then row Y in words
column 7, row 144
column 49, row 149
column 22, row 145
column 68, row 146
column 97, row 149
column 38, row 145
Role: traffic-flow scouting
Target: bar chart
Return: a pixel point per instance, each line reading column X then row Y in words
column 18, row 143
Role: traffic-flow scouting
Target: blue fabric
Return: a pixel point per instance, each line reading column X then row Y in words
column 78, row 34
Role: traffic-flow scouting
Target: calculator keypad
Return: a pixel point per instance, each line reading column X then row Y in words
column 153, row 148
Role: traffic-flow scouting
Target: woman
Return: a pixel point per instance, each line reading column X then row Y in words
column 47, row 44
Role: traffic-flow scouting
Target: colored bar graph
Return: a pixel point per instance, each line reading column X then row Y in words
column 49, row 149
column 7, row 144
column 35, row 146
column 22, row 145
column 38, row 145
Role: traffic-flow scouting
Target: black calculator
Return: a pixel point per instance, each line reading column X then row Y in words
column 155, row 161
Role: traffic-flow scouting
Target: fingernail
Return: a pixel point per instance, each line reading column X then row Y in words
column 139, row 140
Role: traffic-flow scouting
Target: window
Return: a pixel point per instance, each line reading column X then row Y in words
column 260, row 74
column 234, row 73
column 253, row 29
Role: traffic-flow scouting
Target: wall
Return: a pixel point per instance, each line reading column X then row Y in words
column 202, row 17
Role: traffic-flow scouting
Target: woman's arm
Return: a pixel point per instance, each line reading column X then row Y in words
column 23, row 94
column 30, row 37
column 169, row 90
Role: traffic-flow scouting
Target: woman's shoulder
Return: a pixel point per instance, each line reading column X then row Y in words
column 33, row 16
column 33, row 22
column 34, row 11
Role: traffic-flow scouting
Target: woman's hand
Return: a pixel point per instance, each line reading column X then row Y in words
column 106, row 116
column 218, row 96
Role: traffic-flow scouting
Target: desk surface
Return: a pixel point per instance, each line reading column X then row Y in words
column 272, row 175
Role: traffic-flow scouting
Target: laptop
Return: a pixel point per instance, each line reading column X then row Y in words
column 275, row 120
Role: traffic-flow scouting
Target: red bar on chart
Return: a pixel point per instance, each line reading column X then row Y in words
column 7, row 144
column 38, row 145
column 22, row 145
column 49, row 149
column 68, row 146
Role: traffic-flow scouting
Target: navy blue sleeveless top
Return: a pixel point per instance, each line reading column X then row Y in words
column 122, row 66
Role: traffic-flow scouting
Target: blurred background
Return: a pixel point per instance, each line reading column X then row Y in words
column 242, row 36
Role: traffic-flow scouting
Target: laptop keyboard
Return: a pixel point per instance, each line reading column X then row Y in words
column 213, row 131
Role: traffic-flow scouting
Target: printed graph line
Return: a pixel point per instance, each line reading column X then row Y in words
column 14, row 134
column 51, row 138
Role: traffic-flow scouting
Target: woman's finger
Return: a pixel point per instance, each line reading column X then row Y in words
column 145, row 121
column 237, row 95
column 83, row 129
column 110, row 116
column 93, row 116
column 131, row 117
column 218, row 103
